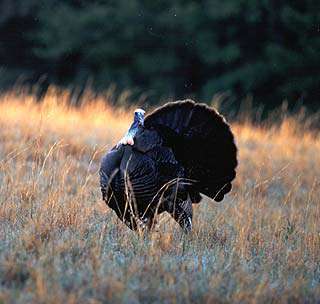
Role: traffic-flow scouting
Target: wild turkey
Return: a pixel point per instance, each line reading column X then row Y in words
column 165, row 161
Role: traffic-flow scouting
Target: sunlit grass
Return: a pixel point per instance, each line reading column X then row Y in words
column 60, row 243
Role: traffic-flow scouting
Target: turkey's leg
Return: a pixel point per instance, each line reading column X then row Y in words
column 182, row 213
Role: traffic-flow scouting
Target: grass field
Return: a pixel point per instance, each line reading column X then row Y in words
column 59, row 243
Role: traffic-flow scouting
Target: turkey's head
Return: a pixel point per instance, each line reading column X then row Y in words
column 138, row 121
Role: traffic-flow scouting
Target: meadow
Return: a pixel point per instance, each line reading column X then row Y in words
column 59, row 243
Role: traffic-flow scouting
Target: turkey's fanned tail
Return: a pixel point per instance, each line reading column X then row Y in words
column 201, row 140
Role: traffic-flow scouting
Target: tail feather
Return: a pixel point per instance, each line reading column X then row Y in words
column 202, row 141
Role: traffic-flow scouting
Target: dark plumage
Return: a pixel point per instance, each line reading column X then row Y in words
column 180, row 150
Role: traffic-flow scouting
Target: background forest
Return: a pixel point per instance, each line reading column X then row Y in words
column 265, row 49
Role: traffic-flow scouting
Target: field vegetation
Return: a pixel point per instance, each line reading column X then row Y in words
column 59, row 243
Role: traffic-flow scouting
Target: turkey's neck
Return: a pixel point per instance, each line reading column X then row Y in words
column 133, row 129
column 128, row 137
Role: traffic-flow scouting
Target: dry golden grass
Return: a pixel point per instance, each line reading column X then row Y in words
column 60, row 244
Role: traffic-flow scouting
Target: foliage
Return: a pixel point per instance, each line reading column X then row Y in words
column 267, row 49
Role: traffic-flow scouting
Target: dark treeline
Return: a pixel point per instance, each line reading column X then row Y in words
column 266, row 49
